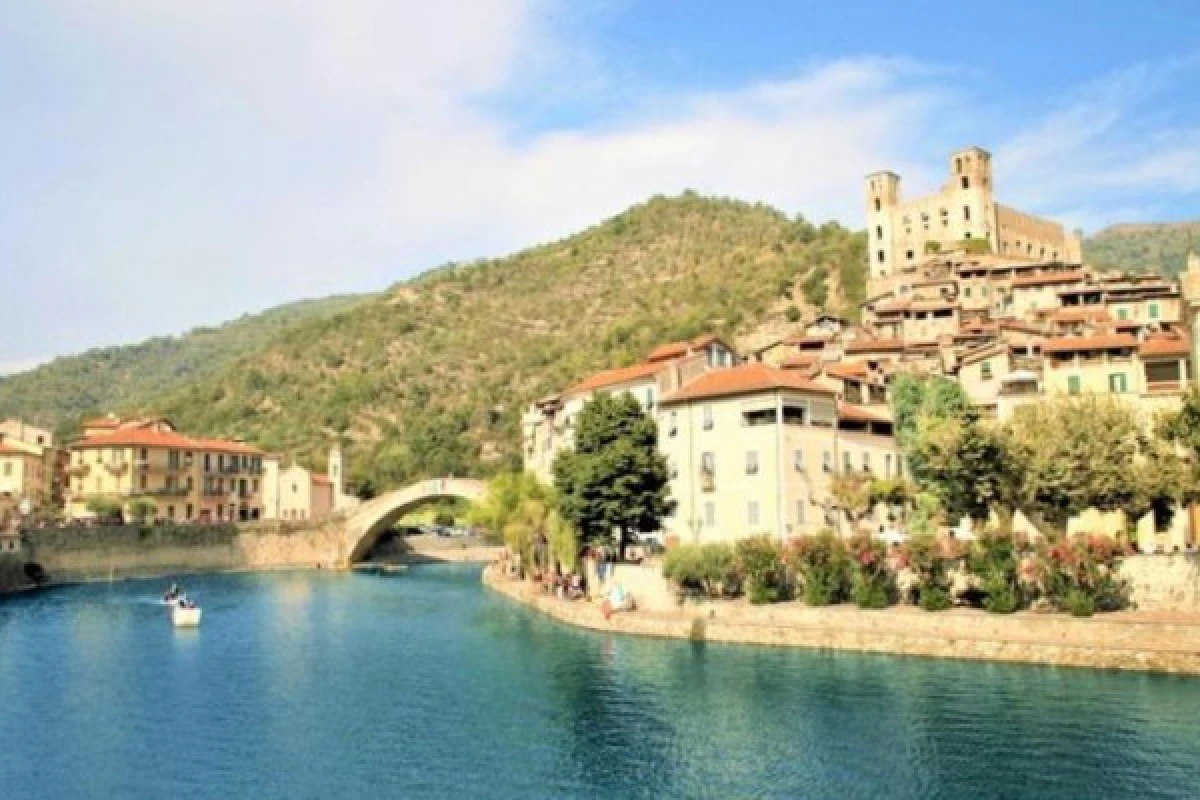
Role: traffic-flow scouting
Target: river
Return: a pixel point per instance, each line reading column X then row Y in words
column 342, row 686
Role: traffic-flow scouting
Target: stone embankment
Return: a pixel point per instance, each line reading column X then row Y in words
column 1145, row 641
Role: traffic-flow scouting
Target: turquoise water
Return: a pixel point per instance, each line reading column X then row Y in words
column 426, row 685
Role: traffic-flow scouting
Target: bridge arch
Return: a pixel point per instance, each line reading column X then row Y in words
column 365, row 522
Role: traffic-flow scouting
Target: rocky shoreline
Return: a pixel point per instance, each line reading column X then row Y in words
column 1136, row 641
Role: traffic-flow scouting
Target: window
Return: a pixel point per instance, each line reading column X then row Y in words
column 881, row 257
column 710, row 515
column 1153, row 311
column 170, row 512
column 755, row 418
column 752, row 512
column 295, row 488
column 866, row 462
column 967, row 291
column 7, row 469
column 1117, row 383
column 794, row 415
column 188, row 511
column 1073, row 384
column 1122, row 313
column 984, row 291
column 909, row 255
column 673, row 426
column 801, row 511
column 967, row 213
column 141, row 482
column 751, row 462
column 798, row 460
column 649, row 398
column 985, row 370
column 887, row 465
column 967, row 235
column 966, row 182
column 847, row 462
column 708, row 463
column 827, row 461
column 708, row 418
column 879, row 232
column 878, row 205
column 958, row 165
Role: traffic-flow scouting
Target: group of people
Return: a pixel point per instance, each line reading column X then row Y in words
column 564, row 586
column 174, row 596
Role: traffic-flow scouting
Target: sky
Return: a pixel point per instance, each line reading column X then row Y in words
column 165, row 165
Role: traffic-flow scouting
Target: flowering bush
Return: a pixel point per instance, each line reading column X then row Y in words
column 997, row 558
column 931, row 560
column 874, row 583
column 760, row 563
column 823, row 567
column 1079, row 573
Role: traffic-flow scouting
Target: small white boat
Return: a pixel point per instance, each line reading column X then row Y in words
column 185, row 617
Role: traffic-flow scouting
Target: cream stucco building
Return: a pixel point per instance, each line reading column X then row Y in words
column 753, row 450
column 549, row 425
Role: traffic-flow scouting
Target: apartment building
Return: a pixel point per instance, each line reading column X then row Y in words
column 184, row 478
column 753, row 450
column 30, row 467
column 549, row 424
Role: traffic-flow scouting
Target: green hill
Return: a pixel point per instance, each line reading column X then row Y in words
column 431, row 376
column 59, row 392
column 1158, row 248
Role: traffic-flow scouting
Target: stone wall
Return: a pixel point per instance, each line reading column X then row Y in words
column 1123, row 640
column 1164, row 582
column 12, row 573
column 68, row 555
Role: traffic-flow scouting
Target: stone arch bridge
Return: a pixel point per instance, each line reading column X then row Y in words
column 365, row 522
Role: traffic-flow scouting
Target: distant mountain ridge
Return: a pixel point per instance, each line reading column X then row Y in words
column 102, row 379
column 432, row 375
column 1143, row 247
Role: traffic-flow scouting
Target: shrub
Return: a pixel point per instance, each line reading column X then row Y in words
column 703, row 568
column 759, row 562
column 1083, row 564
column 823, row 567
column 444, row 519
column 931, row 559
column 792, row 314
column 874, row 584
column 995, row 558
column 1079, row 603
column 934, row 598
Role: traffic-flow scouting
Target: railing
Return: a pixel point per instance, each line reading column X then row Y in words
column 173, row 491
column 1163, row 386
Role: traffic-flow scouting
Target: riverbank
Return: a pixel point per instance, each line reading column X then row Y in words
column 1130, row 640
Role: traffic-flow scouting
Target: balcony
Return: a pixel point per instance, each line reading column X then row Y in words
column 162, row 491
column 120, row 468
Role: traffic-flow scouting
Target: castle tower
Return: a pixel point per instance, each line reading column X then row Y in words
column 883, row 197
column 972, row 215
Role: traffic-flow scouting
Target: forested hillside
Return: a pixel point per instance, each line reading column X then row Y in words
column 430, row 377
column 104, row 379
column 1158, row 248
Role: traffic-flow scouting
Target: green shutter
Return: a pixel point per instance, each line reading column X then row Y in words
column 1073, row 384
column 1116, row 383
column 1154, row 311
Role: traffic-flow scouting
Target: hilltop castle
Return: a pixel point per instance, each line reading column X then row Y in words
column 964, row 214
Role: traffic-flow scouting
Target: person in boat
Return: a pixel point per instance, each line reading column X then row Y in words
column 171, row 594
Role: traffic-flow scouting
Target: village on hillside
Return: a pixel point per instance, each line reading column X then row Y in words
column 960, row 286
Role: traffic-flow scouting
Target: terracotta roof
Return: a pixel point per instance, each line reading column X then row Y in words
column 987, row 351
column 9, row 450
column 1107, row 341
column 745, row 379
column 147, row 437
column 813, row 338
column 1165, row 346
column 860, row 414
column 874, row 345
column 1027, row 281
column 800, row 361
column 672, row 350
column 614, row 377
column 853, row 370
column 1079, row 314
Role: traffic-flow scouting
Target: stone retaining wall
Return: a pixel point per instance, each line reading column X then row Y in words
column 71, row 555
column 1126, row 640
column 1164, row 582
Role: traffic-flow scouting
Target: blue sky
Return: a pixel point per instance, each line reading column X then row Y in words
column 166, row 165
